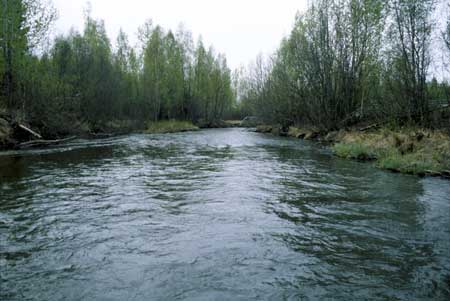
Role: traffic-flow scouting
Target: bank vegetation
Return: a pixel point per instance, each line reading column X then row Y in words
column 85, row 83
column 352, row 65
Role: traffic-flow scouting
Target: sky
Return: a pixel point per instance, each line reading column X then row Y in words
column 241, row 29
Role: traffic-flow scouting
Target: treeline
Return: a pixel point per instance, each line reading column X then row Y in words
column 347, row 60
column 83, row 81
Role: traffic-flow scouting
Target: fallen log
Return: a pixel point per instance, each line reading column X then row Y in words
column 39, row 143
column 370, row 127
column 21, row 126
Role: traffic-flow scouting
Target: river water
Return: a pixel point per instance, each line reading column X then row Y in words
column 217, row 215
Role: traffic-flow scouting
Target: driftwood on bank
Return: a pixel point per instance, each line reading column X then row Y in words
column 16, row 135
column 33, row 133
column 39, row 143
column 370, row 127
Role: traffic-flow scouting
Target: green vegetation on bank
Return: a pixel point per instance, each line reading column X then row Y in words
column 350, row 63
column 358, row 151
column 418, row 152
column 347, row 61
column 85, row 83
column 170, row 126
column 410, row 150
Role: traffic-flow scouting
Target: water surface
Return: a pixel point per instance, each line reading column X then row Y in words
column 217, row 215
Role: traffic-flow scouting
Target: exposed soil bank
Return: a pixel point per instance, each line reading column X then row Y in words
column 421, row 152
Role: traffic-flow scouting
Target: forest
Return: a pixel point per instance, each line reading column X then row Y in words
column 344, row 61
column 84, row 82
column 352, row 60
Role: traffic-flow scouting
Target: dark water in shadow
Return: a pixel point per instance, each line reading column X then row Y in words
column 217, row 215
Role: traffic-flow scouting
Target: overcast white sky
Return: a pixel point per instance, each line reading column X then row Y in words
column 238, row 28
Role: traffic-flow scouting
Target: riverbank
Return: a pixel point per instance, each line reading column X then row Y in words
column 170, row 126
column 13, row 133
column 5, row 133
column 415, row 151
column 17, row 133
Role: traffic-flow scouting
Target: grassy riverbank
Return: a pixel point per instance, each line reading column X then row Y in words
column 405, row 150
column 170, row 126
column 412, row 151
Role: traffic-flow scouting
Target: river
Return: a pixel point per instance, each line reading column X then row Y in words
column 223, row 214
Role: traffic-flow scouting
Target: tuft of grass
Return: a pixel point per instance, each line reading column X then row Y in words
column 170, row 126
column 407, row 150
column 358, row 151
column 410, row 164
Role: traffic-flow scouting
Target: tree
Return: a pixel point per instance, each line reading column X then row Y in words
column 25, row 23
column 126, row 77
column 446, row 34
column 174, row 77
column 97, row 78
column 320, row 73
column 409, row 56
column 153, row 70
column 14, row 45
column 81, row 83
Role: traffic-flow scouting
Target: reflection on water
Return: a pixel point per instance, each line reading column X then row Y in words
column 218, row 214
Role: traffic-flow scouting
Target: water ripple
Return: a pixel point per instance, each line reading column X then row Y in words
column 217, row 214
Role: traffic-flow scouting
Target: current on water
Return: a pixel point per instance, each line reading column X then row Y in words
column 217, row 215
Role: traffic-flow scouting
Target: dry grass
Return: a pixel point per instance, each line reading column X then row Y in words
column 264, row 128
column 306, row 133
column 414, row 151
column 170, row 126
column 358, row 151
column 233, row 123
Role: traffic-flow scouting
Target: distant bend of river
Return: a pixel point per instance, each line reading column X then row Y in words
column 222, row 214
